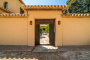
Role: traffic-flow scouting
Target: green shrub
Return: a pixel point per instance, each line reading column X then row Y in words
column 41, row 29
column 47, row 28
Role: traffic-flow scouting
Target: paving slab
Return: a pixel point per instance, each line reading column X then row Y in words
column 15, row 48
column 44, row 39
column 45, row 48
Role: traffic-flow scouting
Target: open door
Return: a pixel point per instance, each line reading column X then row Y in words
column 51, row 23
column 37, row 34
column 52, row 34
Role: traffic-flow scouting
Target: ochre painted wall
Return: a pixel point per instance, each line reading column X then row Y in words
column 11, row 5
column 13, row 31
column 43, row 26
column 76, row 31
column 71, row 31
column 18, row 5
column 44, row 15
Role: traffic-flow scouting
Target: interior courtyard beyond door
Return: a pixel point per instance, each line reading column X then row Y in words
column 51, row 23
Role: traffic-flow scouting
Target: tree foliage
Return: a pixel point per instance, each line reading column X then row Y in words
column 41, row 29
column 47, row 28
column 78, row 6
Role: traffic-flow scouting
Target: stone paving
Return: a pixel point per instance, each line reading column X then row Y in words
column 44, row 39
column 45, row 48
column 64, row 53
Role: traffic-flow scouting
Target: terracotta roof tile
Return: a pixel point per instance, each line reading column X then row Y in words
column 16, row 15
column 76, row 15
column 21, row 2
column 5, row 10
column 44, row 7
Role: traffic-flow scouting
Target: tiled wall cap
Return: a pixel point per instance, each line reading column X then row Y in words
column 81, row 14
column 23, row 14
column 4, row 14
column 19, row 14
column 13, row 15
column 54, row 6
column 7, row 14
column 88, row 14
column 1, row 15
column 44, row 7
column 10, row 14
column 76, row 15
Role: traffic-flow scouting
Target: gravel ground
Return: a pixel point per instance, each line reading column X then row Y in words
column 15, row 48
column 63, row 55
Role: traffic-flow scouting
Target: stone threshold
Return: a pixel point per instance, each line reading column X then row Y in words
column 43, row 48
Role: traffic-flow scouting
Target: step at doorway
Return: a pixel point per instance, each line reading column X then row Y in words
column 45, row 48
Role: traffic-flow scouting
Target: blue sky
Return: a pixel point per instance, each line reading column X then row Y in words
column 45, row 2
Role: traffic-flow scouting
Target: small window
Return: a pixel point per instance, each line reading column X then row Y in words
column 21, row 10
column 6, row 5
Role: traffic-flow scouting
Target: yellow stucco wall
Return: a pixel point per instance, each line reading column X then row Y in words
column 71, row 31
column 18, row 5
column 43, row 26
column 44, row 15
column 13, row 5
column 76, row 31
column 13, row 31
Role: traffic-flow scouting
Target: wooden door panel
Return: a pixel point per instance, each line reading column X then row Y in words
column 52, row 34
column 37, row 34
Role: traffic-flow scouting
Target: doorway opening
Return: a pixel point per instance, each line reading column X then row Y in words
column 50, row 35
column 44, row 34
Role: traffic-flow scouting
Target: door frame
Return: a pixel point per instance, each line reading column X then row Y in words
column 44, row 21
